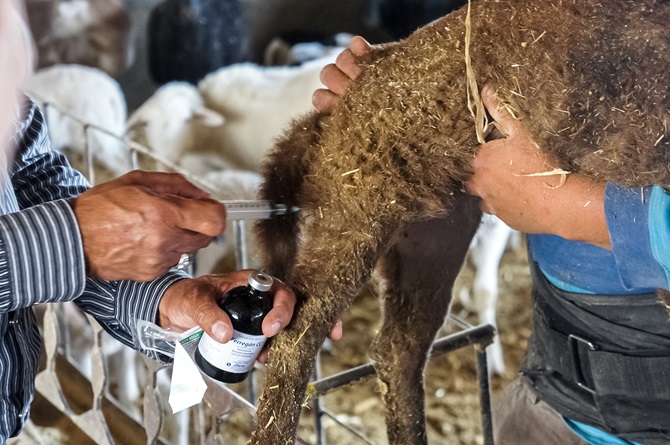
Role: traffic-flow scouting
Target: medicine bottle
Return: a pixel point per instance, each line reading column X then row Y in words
column 246, row 306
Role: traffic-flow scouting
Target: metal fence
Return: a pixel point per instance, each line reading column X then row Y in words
column 98, row 413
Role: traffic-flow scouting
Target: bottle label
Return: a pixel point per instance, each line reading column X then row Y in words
column 238, row 355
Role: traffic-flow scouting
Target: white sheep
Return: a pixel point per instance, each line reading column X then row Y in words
column 173, row 121
column 281, row 53
column 77, row 94
column 240, row 111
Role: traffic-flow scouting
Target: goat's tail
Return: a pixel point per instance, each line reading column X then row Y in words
column 283, row 171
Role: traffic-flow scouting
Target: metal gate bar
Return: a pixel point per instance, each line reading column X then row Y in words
column 479, row 336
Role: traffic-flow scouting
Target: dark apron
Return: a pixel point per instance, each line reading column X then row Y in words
column 603, row 360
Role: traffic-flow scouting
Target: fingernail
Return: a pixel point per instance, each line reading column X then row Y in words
column 219, row 330
column 276, row 326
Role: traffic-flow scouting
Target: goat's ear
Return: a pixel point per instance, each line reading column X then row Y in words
column 208, row 118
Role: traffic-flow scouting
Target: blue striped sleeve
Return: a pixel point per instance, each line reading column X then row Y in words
column 41, row 252
column 41, row 256
column 117, row 305
column 636, row 227
column 40, row 174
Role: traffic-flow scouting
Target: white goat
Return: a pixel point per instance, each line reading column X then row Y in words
column 89, row 95
column 254, row 103
column 485, row 253
column 173, row 122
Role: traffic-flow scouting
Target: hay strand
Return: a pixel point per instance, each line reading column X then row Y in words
column 475, row 104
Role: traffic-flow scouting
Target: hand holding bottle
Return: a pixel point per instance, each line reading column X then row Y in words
column 192, row 302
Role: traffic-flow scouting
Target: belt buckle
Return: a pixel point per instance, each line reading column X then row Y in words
column 574, row 350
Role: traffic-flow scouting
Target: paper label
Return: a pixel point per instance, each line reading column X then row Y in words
column 187, row 387
column 238, row 355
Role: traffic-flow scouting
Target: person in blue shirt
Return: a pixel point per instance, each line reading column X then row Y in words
column 596, row 367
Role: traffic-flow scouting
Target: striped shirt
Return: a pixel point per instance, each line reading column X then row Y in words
column 42, row 261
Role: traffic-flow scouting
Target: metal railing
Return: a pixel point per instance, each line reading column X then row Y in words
column 103, row 418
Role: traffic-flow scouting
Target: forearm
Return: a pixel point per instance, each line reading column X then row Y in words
column 576, row 211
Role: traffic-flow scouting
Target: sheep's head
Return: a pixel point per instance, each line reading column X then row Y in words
column 170, row 121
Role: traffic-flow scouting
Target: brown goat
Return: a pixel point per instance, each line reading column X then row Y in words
column 378, row 178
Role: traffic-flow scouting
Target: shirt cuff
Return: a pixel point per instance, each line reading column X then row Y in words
column 41, row 256
column 628, row 219
column 140, row 301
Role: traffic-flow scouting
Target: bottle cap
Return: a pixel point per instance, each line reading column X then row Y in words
column 260, row 281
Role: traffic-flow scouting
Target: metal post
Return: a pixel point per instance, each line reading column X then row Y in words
column 484, row 395
column 239, row 230
column 88, row 156
column 317, row 406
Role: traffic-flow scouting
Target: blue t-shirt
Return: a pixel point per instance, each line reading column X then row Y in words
column 639, row 262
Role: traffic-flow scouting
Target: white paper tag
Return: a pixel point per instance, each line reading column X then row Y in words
column 188, row 387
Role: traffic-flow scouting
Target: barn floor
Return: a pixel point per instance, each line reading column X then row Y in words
column 452, row 399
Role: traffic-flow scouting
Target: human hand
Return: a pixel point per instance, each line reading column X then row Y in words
column 337, row 76
column 137, row 226
column 567, row 205
column 192, row 302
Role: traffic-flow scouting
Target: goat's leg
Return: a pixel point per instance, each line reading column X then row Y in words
column 331, row 266
column 294, row 350
column 416, row 277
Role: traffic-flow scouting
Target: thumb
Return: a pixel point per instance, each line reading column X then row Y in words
column 213, row 321
column 205, row 216
column 498, row 112
column 359, row 46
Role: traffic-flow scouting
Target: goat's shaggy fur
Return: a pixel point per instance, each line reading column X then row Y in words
column 378, row 178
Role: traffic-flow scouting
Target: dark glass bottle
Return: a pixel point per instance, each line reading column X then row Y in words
column 246, row 306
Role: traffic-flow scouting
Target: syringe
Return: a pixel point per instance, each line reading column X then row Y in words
column 238, row 210
column 255, row 209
